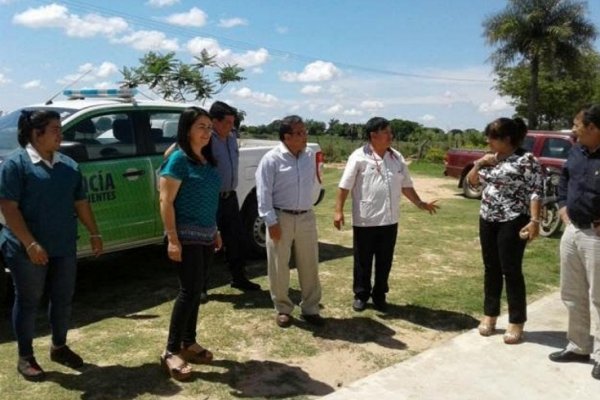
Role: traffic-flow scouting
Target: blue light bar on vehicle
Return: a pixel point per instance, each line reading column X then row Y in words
column 122, row 92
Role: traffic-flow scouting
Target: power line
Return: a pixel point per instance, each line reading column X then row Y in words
column 244, row 45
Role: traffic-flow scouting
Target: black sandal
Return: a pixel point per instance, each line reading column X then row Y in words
column 196, row 354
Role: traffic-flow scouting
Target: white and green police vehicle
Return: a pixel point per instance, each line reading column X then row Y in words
column 119, row 142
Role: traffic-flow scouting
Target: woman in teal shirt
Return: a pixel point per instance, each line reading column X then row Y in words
column 189, row 197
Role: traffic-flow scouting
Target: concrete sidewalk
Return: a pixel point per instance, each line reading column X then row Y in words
column 472, row 367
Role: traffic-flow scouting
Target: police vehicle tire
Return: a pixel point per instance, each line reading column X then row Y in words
column 255, row 229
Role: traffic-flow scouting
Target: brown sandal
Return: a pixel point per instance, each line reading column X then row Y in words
column 196, row 354
column 176, row 366
column 513, row 334
column 487, row 326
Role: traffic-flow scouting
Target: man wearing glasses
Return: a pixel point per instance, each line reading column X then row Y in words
column 284, row 179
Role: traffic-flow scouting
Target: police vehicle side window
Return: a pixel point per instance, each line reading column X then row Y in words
column 104, row 136
column 163, row 129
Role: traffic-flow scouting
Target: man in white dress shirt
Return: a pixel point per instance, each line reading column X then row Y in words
column 377, row 176
column 284, row 181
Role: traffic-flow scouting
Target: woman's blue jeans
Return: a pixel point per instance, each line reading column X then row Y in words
column 30, row 281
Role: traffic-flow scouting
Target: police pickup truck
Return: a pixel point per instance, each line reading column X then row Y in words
column 119, row 142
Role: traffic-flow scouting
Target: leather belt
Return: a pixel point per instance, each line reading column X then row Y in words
column 227, row 194
column 293, row 212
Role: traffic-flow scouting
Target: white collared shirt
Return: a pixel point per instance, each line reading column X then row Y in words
column 36, row 158
column 376, row 185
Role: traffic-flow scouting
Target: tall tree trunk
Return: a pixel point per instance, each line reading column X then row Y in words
column 532, row 109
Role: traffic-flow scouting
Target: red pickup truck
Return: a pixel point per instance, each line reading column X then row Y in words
column 551, row 149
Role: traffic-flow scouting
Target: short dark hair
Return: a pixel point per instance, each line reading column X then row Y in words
column 31, row 120
column 590, row 114
column 515, row 129
column 219, row 110
column 186, row 120
column 375, row 124
column 286, row 125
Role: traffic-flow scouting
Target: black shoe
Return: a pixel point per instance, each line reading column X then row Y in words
column 313, row 319
column 245, row 285
column 203, row 297
column 569, row 356
column 67, row 357
column 381, row 305
column 596, row 370
column 359, row 305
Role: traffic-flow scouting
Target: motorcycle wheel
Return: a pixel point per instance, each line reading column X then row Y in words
column 550, row 221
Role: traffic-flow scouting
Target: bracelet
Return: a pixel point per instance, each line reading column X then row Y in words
column 31, row 245
column 537, row 221
column 96, row 236
column 167, row 231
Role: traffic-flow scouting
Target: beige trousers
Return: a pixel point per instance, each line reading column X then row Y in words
column 299, row 232
column 580, row 283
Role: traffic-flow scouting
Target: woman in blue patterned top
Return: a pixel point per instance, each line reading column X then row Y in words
column 509, row 218
column 189, row 197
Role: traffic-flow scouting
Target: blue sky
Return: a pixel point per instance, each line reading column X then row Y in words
column 321, row 59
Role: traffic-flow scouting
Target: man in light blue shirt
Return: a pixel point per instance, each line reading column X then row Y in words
column 284, row 179
column 226, row 152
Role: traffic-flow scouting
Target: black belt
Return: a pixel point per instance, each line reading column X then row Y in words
column 293, row 212
column 225, row 195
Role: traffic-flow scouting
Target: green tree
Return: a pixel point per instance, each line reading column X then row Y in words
column 176, row 81
column 561, row 91
column 537, row 33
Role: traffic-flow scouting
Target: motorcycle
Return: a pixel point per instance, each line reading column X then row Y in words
column 550, row 221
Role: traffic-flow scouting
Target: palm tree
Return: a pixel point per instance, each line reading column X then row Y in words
column 539, row 32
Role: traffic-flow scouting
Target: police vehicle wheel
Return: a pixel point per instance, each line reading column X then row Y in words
column 255, row 228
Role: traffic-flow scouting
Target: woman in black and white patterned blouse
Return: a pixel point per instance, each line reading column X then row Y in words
column 509, row 218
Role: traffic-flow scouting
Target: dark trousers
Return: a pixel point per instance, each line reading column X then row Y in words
column 369, row 242
column 502, row 250
column 191, row 271
column 230, row 224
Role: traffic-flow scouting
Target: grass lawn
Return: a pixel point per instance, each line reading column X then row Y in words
column 123, row 304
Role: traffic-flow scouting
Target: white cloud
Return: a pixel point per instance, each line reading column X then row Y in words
column 232, row 22
column 32, row 84
column 149, row 40
column 161, row 3
column 311, row 89
column 3, row 79
column 335, row 109
column 282, row 29
column 371, row 104
column 496, row 105
column 57, row 16
column 250, row 58
column 353, row 112
column 105, row 69
column 260, row 98
column 104, row 85
column 257, row 70
column 428, row 118
column 195, row 17
column 91, row 72
column 317, row 71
